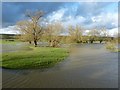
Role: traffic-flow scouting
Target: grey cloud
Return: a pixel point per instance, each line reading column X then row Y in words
column 12, row 12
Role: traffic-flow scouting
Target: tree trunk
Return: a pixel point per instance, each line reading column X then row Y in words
column 29, row 42
column 50, row 43
column 91, row 41
column 35, row 43
column 100, row 41
column 53, row 43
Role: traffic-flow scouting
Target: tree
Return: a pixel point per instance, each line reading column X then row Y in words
column 31, row 29
column 75, row 33
column 104, row 34
column 52, row 34
column 94, row 34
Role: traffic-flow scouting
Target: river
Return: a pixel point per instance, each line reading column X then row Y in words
column 88, row 66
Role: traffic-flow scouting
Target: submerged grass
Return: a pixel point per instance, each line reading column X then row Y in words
column 37, row 57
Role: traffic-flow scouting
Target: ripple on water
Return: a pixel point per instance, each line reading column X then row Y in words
column 90, row 66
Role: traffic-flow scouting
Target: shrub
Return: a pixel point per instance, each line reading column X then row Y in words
column 112, row 46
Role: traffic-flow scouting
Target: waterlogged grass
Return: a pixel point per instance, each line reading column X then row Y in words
column 37, row 57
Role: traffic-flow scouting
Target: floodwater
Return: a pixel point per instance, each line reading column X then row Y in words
column 88, row 66
column 12, row 47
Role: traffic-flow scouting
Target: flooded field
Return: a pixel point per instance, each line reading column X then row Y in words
column 88, row 66
column 12, row 47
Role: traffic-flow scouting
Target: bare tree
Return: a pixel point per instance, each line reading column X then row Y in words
column 104, row 34
column 75, row 33
column 31, row 28
column 24, row 28
column 52, row 34
column 93, row 34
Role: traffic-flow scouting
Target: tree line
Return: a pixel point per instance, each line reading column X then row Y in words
column 32, row 31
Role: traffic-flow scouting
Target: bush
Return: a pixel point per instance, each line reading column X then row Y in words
column 112, row 46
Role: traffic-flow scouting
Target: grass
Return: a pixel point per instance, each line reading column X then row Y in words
column 38, row 57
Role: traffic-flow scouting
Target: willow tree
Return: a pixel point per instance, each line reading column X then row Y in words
column 31, row 29
column 52, row 34
column 75, row 33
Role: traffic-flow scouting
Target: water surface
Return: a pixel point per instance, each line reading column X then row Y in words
column 88, row 66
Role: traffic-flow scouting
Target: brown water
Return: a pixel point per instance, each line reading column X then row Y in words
column 89, row 66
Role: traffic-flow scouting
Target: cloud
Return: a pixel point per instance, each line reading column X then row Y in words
column 108, row 20
column 9, row 30
column 14, row 11
column 113, row 32
column 91, row 8
column 78, row 20
column 88, row 18
column 66, row 20
column 86, row 14
column 56, row 15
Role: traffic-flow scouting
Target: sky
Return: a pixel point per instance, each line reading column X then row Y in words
column 86, row 14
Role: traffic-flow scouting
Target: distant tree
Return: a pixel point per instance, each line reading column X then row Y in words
column 31, row 29
column 93, row 34
column 75, row 33
column 52, row 34
column 104, row 34
column 5, row 36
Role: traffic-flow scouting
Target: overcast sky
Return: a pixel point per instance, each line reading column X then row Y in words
column 86, row 14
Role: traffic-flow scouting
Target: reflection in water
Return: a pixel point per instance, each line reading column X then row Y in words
column 90, row 66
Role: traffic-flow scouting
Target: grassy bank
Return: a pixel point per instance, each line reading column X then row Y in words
column 39, row 57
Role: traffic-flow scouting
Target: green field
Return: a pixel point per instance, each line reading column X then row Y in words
column 35, row 57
